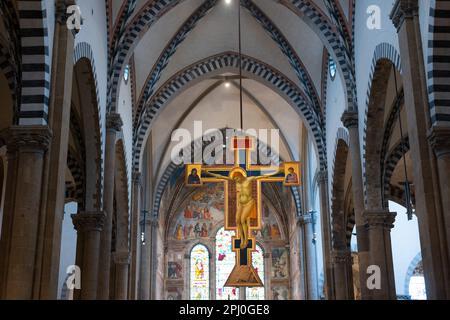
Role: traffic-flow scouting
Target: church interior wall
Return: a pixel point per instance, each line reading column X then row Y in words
column 266, row 107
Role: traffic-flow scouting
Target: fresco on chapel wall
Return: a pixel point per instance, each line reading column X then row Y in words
column 197, row 222
column 280, row 263
column 280, row 293
column 270, row 228
column 201, row 215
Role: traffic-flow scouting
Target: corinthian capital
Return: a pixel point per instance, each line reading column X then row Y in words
column 31, row 138
column 88, row 221
column 403, row 9
column 439, row 138
column 341, row 257
column 114, row 121
column 350, row 119
column 376, row 219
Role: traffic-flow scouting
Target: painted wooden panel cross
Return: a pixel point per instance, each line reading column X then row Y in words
column 243, row 208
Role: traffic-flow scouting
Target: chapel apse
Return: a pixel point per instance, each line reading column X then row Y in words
column 199, row 221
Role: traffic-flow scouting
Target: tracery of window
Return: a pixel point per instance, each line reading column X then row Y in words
column 225, row 261
column 257, row 293
column 199, row 273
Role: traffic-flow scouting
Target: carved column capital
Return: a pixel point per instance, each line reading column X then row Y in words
column 121, row 257
column 150, row 219
column 62, row 13
column 136, row 177
column 439, row 138
column 322, row 176
column 403, row 9
column 27, row 138
column 114, row 121
column 350, row 119
column 305, row 219
column 376, row 219
column 89, row 221
column 341, row 257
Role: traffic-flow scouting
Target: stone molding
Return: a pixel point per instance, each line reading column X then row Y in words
column 27, row 138
column 114, row 122
column 376, row 219
column 402, row 10
column 89, row 221
column 439, row 138
column 350, row 119
column 305, row 219
column 341, row 257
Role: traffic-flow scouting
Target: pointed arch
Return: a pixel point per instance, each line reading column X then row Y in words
column 152, row 11
column 228, row 62
column 177, row 170
column 385, row 59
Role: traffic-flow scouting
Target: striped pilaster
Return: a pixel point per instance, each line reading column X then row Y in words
column 35, row 63
column 439, row 63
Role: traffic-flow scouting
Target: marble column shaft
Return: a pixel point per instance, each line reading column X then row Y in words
column 343, row 279
column 306, row 224
column 326, row 234
column 26, row 150
column 113, row 126
column 350, row 121
column 379, row 225
column 122, row 263
column 135, row 242
column 89, row 226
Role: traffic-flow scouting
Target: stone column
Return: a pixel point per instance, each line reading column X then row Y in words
column 122, row 263
column 113, row 126
column 27, row 146
column 350, row 121
column 440, row 141
column 306, row 225
column 89, row 226
column 135, row 242
column 379, row 225
column 326, row 234
column 435, row 256
column 46, row 277
column 148, row 255
column 154, row 223
column 343, row 279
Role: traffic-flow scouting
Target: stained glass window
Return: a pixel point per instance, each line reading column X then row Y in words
column 199, row 273
column 225, row 261
column 126, row 73
column 258, row 263
column 333, row 68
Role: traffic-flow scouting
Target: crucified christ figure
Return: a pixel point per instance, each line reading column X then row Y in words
column 246, row 204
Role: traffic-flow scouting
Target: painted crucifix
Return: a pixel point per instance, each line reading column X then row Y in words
column 243, row 209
